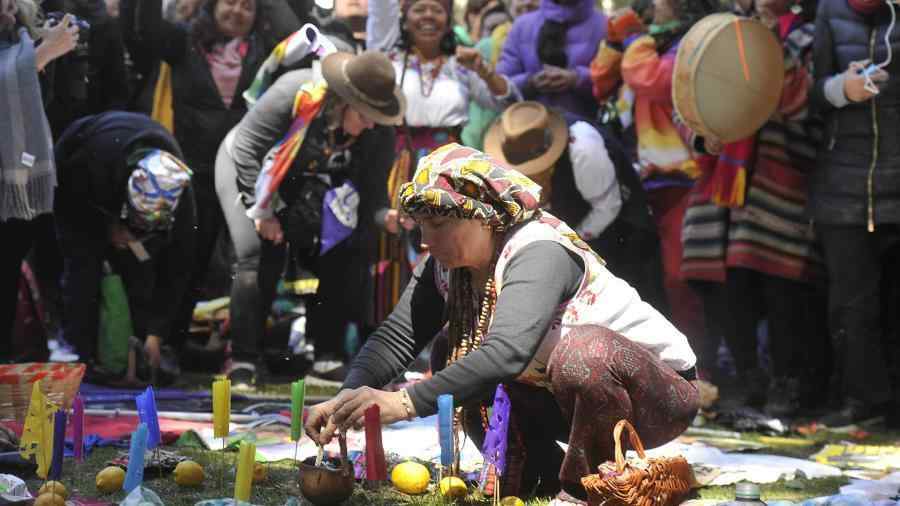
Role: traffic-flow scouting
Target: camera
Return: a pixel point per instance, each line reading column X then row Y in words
column 75, row 67
column 84, row 31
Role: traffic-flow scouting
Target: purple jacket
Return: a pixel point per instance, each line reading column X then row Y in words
column 519, row 59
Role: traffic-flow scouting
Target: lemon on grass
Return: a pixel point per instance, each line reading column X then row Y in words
column 511, row 500
column 411, row 477
column 110, row 479
column 188, row 473
column 50, row 499
column 452, row 486
column 54, row 487
column 260, row 472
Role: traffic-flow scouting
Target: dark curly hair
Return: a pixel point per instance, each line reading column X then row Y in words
column 448, row 41
column 687, row 12
column 204, row 31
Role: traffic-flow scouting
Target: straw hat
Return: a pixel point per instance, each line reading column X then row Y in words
column 527, row 137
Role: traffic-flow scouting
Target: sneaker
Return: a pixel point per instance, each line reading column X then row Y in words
column 331, row 370
column 565, row 499
column 852, row 412
column 783, row 398
column 61, row 351
column 242, row 375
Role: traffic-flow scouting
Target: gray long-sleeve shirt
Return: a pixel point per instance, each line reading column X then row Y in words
column 536, row 281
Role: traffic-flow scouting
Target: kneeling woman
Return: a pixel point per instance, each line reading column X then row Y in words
column 308, row 153
column 528, row 305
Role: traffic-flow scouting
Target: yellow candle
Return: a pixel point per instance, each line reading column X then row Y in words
column 221, row 407
column 244, row 481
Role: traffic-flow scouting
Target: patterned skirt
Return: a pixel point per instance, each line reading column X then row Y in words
column 598, row 377
column 771, row 233
column 398, row 254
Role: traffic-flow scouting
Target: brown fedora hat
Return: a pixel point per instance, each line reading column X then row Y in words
column 368, row 83
column 528, row 137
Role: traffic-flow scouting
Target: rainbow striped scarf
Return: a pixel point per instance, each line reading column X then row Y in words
column 305, row 41
column 307, row 105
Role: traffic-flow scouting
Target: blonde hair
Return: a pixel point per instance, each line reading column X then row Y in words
column 30, row 16
column 333, row 109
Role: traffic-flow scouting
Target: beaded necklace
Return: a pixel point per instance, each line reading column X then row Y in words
column 463, row 337
column 428, row 71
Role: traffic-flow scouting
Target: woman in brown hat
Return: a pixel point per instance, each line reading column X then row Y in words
column 439, row 80
column 306, row 166
column 531, row 307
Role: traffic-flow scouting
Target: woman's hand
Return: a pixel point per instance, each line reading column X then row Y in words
column 855, row 82
column 713, row 146
column 394, row 220
column 120, row 236
column 269, row 229
column 554, row 79
column 346, row 410
column 319, row 425
column 471, row 59
column 8, row 10
column 351, row 412
column 56, row 41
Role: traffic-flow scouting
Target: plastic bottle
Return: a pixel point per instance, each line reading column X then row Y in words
column 745, row 494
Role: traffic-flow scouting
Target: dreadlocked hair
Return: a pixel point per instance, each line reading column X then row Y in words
column 466, row 333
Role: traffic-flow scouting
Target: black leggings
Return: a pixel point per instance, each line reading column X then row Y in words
column 258, row 267
column 21, row 235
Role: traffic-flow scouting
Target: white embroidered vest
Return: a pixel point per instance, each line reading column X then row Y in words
column 602, row 299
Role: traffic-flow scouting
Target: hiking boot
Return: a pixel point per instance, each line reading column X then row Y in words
column 783, row 398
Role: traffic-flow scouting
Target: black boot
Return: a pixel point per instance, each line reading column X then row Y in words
column 783, row 398
column 852, row 411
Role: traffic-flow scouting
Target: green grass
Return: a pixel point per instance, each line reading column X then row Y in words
column 282, row 484
column 282, row 481
column 794, row 490
column 275, row 491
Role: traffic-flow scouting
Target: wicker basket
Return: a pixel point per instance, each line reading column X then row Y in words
column 59, row 382
column 646, row 482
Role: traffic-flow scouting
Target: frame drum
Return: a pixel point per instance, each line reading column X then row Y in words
column 717, row 92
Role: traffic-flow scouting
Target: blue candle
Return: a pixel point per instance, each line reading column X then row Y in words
column 135, row 474
column 445, row 429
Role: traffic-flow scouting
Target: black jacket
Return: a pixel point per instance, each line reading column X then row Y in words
column 201, row 118
column 92, row 171
column 91, row 158
column 861, row 149
column 80, row 86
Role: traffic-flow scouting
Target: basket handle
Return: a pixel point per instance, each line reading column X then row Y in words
column 635, row 443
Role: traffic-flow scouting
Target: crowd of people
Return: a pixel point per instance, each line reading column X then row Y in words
column 385, row 151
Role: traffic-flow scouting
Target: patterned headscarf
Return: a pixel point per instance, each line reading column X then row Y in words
column 462, row 182
column 154, row 190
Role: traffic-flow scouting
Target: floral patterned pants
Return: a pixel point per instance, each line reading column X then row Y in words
column 597, row 378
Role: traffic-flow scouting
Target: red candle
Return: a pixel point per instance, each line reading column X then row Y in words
column 376, row 467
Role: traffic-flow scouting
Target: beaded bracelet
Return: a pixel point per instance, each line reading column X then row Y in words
column 407, row 404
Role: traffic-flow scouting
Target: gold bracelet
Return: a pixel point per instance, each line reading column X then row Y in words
column 407, row 404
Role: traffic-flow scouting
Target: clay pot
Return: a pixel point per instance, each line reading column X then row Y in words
column 325, row 487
